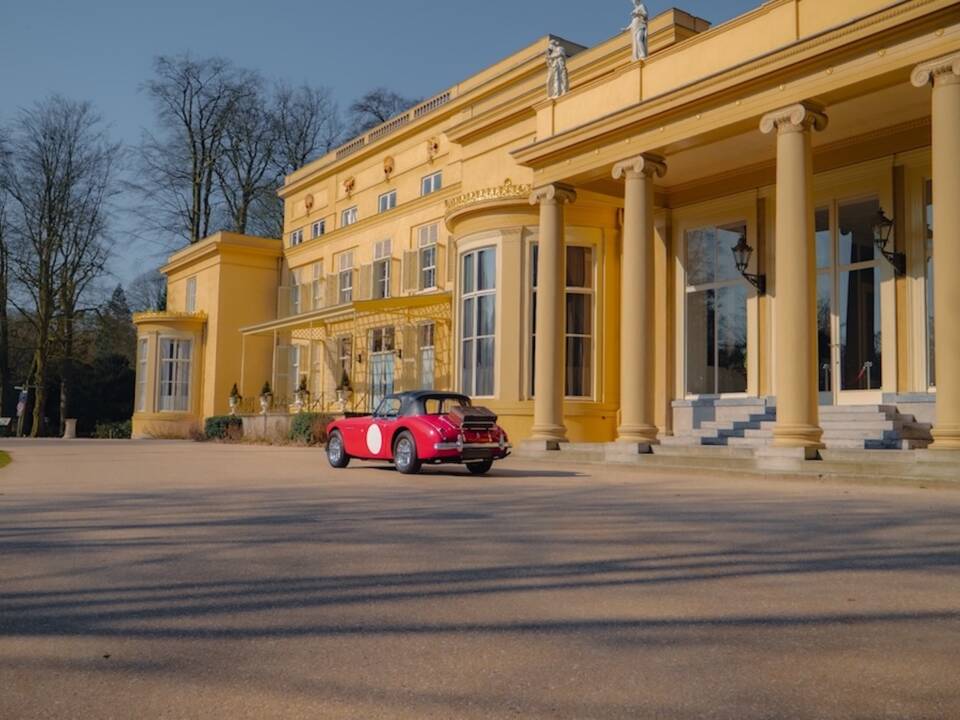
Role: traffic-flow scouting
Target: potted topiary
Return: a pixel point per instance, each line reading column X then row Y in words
column 235, row 399
column 266, row 398
column 344, row 390
column 302, row 396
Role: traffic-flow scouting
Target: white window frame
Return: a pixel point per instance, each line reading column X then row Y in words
column 180, row 371
column 427, row 348
column 387, row 201
column 349, row 216
column 344, row 357
column 319, row 228
column 431, row 183
column 294, row 292
column 474, row 296
column 427, row 242
column 928, row 270
column 143, row 366
column 296, row 237
column 190, row 301
column 317, row 285
column 345, row 277
column 382, row 259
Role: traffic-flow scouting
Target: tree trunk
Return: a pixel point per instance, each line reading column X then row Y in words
column 40, row 397
column 66, row 372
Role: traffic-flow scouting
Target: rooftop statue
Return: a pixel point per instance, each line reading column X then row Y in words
column 558, row 83
column 638, row 30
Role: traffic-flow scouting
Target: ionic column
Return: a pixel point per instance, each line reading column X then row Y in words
column 944, row 75
column 637, row 331
column 798, row 417
column 550, row 355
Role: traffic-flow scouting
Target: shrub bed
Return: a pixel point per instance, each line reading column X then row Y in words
column 223, row 427
column 310, row 428
column 113, row 430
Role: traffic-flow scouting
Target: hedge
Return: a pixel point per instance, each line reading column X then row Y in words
column 113, row 430
column 223, row 427
column 310, row 428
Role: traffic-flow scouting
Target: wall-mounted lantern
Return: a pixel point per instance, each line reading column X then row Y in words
column 741, row 255
column 882, row 234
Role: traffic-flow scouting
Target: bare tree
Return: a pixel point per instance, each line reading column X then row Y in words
column 6, row 382
column 58, row 165
column 82, row 258
column 148, row 292
column 245, row 166
column 195, row 101
column 375, row 108
column 307, row 124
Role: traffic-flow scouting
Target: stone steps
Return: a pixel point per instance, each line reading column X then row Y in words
column 847, row 427
column 854, row 464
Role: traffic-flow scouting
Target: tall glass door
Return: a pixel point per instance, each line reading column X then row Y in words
column 382, row 365
column 849, row 361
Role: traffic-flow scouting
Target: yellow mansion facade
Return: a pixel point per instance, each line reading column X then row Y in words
column 727, row 237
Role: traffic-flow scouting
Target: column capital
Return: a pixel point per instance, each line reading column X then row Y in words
column 643, row 165
column 942, row 70
column 555, row 193
column 794, row 118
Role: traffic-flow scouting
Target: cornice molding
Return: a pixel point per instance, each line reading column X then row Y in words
column 724, row 83
column 163, row 316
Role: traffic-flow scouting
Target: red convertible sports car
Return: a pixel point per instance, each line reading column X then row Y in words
column 413, row 428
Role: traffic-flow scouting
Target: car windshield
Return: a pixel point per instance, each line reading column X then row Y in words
column 389, row 407
column 443, row 405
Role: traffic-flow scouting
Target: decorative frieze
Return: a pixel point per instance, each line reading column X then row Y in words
column 507, row 191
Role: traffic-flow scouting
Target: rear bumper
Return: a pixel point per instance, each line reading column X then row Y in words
column 472, row 451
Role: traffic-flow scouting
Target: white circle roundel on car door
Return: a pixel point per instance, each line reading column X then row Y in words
column 374, row 439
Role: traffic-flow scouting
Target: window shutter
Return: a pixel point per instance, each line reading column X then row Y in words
column 409, row 378
column 411, row 270
column 441, row 266
column 451, row 261
column 282, row 390
column 305, row 298
column 331, row 291
column 395, row 278
column 365, row 291
column 331, row 374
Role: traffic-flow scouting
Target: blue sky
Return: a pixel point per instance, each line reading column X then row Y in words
column 101, row 50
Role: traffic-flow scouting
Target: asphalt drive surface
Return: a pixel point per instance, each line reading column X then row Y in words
column 145, row 580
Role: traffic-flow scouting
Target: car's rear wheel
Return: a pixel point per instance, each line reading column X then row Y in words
column 405, row 454
column 336, row 452
column 481, row 467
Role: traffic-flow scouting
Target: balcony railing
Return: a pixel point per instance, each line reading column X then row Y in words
column 394, row 124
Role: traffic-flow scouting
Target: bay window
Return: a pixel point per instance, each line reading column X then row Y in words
column 174, row 375
column 478, row 322
column 928, row 225
column 142, row 363
column 578, row 305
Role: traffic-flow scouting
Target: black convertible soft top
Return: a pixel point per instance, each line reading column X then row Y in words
column 413, row 402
